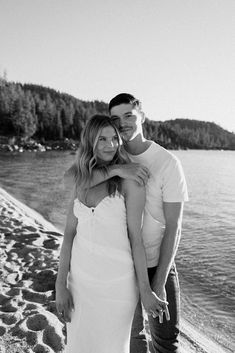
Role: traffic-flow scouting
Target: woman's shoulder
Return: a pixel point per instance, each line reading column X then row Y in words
column 70, row 177
column 131, row 186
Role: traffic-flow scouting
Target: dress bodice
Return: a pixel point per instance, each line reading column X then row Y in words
column 103, row 225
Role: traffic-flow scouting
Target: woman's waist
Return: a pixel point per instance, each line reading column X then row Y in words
column 101, row 262
column 85, row 277
column 112, row 228
column 108, row 247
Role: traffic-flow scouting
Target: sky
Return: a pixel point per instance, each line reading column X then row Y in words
column 176, row 56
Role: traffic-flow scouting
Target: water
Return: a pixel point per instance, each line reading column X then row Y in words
column 206, row 257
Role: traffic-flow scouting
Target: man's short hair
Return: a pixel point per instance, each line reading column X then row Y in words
column 124, row 98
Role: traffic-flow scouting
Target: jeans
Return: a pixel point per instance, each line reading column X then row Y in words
column 165, row 336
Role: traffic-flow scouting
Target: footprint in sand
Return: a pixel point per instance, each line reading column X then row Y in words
column 37, row 322
column 29, row 255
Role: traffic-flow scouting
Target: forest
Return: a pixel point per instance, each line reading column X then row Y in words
column 42, row 114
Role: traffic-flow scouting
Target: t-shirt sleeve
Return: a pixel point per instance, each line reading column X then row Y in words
column 174, row 187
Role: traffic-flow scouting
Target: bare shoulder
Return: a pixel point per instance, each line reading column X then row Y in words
column 131, row 187
column 71, row 173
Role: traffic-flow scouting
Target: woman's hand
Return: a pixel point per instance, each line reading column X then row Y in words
column 64, row 302
column 155, row 306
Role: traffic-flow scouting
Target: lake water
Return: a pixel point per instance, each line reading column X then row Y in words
column 206, row 256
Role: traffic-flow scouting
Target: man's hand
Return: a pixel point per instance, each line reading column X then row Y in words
column 153, row 305
column 134, row 171
column 160, row 291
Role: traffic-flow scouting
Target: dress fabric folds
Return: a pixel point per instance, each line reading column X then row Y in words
column 101, row 279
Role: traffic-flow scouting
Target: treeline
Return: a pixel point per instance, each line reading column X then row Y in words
column 190, row 134
column 32, row 111
column 28, row 110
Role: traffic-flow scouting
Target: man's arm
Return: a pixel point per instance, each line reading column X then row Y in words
column 173, row 212
column 131, row 171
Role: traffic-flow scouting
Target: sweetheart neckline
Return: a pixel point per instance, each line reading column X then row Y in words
column 100, row 202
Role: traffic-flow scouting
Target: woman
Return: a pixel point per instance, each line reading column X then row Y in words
column 102, row 252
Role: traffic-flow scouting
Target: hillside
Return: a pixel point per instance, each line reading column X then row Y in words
column 33, row 111
column 190, row 134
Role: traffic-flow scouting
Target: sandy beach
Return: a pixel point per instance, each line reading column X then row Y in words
column 29, row 253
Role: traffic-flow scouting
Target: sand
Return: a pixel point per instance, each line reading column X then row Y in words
column 29, row 253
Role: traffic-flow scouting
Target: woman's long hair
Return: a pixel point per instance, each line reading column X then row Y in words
column 86, row 161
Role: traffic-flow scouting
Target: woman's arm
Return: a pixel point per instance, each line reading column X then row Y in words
column 64, row 301
column 135, row 201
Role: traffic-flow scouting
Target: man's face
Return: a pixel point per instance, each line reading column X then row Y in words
column 130, row 120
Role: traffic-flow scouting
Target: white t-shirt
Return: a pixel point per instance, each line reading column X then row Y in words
column 166, row 184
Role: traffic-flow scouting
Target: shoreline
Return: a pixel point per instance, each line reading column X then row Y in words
column 30, row 251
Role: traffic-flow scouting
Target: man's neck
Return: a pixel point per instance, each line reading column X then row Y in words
column 138, row 145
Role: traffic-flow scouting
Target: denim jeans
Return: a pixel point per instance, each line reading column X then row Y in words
column 165, row 336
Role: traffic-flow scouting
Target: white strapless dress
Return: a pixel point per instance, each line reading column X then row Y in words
column 102, row 280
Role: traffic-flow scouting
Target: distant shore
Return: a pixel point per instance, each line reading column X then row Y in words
column 63, row 145
column 35, row 146
column 29, row 255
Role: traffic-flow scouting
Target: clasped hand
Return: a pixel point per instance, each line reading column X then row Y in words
column 155, row 306
column 64, row 303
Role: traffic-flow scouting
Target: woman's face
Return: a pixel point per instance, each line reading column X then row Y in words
column 107, row 144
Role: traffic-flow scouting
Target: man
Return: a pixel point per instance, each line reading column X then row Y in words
column 166, row 192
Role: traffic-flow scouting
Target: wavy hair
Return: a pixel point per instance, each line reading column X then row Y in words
column 86, row 161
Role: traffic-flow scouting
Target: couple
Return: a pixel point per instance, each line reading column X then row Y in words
column 121, row 236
